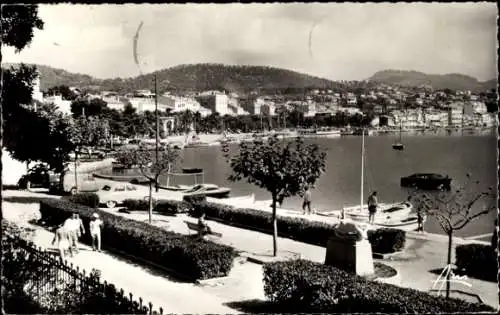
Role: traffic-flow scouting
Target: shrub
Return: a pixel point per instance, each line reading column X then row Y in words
column 306, row 286
column 136, row 204
column 172, row 207
column 387, row 240
column 192, row 257
column 87, row 199
column 383, row 241
column 477, row 260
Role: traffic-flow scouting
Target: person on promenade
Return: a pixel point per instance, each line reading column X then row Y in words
column 62, row 237
column 80, row 228
column 95, row 232
column 203, row 228
column 307, row 201
column 420, row 219
column 71, row 226
column 372, row 207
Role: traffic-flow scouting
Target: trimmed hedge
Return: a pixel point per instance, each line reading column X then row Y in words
column 383, row 240
column 477, row 260
column 190, row 256
column 306, row 286
column 87, row 199
column 170, row 207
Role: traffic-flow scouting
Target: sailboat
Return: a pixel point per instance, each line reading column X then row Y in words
column 399, row 146
column 394, row 213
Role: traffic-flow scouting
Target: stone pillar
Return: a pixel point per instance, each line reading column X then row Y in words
column 349, row 249
column 350, row 255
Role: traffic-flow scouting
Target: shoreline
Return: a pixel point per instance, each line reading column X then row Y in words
column 217, row 137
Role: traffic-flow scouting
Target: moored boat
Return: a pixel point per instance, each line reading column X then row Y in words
column 395, row 211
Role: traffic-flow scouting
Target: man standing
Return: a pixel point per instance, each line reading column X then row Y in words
column 95, row 232
column 307, row 201
column 80, row 228
column 372, row 207
column 70, row 225
column 62, row 238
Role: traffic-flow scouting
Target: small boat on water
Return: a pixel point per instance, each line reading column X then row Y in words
column 428, row 181
column 407, row 224
column 397, row 211
column 209, row 190
column 394, row 211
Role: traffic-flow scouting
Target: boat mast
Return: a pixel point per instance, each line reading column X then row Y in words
column 362, row 166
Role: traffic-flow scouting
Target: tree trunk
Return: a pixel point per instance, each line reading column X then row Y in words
column 76, row 170
column 150, row 201
column 448, row 277
column 275, row 229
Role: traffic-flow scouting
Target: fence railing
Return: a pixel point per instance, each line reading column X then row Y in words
column 58, row 286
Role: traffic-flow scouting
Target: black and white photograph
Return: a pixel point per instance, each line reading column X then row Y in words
column 239, row 158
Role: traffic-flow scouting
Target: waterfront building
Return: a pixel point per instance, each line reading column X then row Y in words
column 215, row 101
column 455, row 114
column 180, row 103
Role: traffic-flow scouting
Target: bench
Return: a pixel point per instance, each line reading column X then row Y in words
column 194, row 227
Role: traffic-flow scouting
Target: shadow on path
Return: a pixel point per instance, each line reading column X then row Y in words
column 256, row 306
column 25, row 199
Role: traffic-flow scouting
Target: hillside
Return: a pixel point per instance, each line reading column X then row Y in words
column 52, row 77
column 241, row 79
column 452, row 81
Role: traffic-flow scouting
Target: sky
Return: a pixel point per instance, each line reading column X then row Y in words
column 339, row 41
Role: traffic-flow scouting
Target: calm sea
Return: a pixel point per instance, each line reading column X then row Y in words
column 454, row 155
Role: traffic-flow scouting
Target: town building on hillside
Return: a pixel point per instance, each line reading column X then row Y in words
column 180, row 103
column 63, row 105
column 456, row 114
column 308, row 109
column 144, row 94
column 215, row 101
column 114, row 101
column 37, row 94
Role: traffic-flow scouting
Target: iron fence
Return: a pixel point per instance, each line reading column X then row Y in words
column 59, row 287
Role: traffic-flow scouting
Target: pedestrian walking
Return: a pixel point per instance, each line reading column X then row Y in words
column 95, row 232
column 420, row 219
column 372, row 207
column 71, row 226
column 307, row 201
column 62, row 238
column 80, row 228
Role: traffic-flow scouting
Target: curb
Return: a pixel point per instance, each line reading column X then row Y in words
column 388, row 255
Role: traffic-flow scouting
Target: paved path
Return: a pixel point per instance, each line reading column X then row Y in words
column 175, row 297
column 424, row 252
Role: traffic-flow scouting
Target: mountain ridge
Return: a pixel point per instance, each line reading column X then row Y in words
column 453, row 81
column 244, row 78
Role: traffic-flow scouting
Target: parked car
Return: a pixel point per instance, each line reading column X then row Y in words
column 114, row 194
column 428, row 181
column 37, row 176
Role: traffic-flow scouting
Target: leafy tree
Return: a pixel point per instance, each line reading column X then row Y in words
column 283, row 170
column 93, row 107
column 18, row 25
column 150, row 168
column 64, row 91
column 454, row 209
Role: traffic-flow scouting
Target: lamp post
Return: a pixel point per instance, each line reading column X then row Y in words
column 157, row 125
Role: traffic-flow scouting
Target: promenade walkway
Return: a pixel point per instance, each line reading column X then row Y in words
column 155, row 287
column 423, row 254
